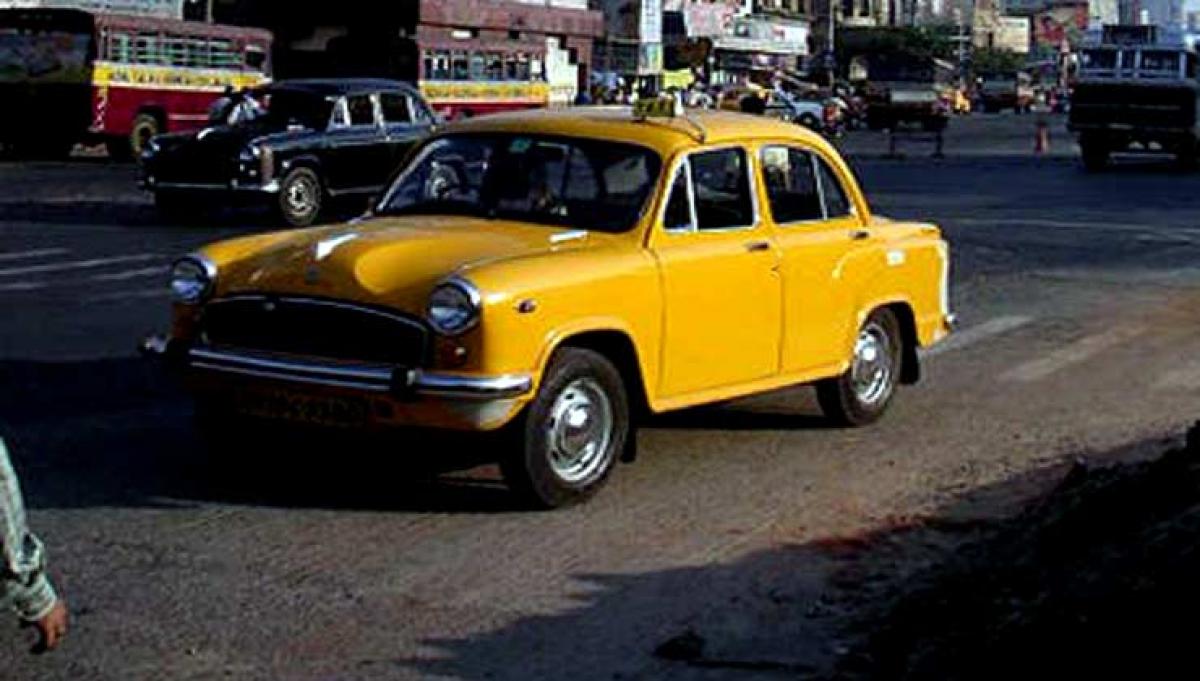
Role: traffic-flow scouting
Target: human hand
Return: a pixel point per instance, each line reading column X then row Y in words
column 51, row 629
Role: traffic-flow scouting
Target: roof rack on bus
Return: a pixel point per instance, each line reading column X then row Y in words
column 669, row 107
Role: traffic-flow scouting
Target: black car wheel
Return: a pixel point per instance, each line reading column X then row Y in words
column 1095, row 154
column 862, row 394
column 300, row 197
column 571, row 434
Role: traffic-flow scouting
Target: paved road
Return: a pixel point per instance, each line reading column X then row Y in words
column 1080, row 296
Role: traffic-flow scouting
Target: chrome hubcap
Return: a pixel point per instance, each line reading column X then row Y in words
column 301, row 196
column 579, row 431
column 873, row 368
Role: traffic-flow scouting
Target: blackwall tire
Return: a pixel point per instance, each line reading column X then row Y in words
column 567, row 442
column 863, row 393
column 301, row 197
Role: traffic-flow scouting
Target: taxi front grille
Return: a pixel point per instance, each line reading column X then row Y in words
column 318, row 328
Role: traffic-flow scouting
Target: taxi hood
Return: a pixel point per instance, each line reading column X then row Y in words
column 389, row 261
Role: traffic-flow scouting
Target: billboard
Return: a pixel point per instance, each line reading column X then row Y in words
column 1059, row 25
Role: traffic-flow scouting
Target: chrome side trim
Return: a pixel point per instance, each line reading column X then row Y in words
column 375, row 378
column 269, row 188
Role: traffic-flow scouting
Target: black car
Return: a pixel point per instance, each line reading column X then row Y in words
column 294, row 144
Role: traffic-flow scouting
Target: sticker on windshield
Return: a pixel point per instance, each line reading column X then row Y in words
column 520, row 145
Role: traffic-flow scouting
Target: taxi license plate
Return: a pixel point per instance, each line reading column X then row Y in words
column 345, row 412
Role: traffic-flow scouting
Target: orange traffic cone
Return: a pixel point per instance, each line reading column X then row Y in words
column 1041, row 140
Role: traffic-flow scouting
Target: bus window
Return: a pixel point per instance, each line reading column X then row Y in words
column 221, row 55
column 495, row 69
column 523, row 68
column 148, row 50
column 255, row 58
column 458, row 66
column 478, row 66
column 120, row 48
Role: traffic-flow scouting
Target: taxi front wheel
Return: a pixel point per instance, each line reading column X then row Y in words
column 862, row 394
column 572, row 432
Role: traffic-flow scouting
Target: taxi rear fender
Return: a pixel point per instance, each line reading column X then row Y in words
column 901, row 307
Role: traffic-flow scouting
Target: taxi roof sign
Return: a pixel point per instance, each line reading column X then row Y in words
column 657, row 107
column 666, row 106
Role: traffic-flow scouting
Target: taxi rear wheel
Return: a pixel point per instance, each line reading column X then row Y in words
column 571, row 434
column 862, row 394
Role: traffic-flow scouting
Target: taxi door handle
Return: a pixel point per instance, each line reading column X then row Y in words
column 860, row 234
column 758, row 246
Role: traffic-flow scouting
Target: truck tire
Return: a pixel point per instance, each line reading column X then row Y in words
column 1185, row 157
column 1095, row 155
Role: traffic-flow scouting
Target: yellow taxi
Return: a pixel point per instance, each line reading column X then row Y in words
column 559, row 274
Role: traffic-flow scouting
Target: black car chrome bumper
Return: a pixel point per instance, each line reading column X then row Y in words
column 152, row 184
column 375, row 378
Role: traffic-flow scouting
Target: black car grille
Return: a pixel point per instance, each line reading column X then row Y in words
column 316, row 328
column 1141, row 106
column 195, row 164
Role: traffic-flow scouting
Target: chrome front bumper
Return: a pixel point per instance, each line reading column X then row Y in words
column 374, row 378
column 152, row 184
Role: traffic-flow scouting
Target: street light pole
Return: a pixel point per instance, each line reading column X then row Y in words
column 829, row 47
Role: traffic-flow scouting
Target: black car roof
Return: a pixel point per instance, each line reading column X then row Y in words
column 342, row 86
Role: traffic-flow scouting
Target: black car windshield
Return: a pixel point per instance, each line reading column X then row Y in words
column 563, row 181
column 280, row 108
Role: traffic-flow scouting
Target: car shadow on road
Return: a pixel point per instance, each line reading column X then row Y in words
column 119, row 432
column 1066, row 571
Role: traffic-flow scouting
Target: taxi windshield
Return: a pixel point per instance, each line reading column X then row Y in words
column 562, row 181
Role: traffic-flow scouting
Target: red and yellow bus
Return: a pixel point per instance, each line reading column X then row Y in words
column 470, row 82
column 69, row 76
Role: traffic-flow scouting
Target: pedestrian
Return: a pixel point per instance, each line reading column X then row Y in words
column 218, row 111
column 753, row 104
column 24, row 585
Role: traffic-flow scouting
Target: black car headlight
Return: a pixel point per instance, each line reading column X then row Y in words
column 151, row 148
column 454, row 307
column 192, row 279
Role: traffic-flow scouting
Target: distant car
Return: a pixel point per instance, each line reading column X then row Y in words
column 560, row 273
column 294, row 145
column 806, row 112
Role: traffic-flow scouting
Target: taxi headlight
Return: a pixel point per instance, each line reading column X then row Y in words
column 453, row 307
column 192, row 279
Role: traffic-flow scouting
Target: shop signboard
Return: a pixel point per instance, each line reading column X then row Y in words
column 172, row 9
column 650, row 60
column 650, row 25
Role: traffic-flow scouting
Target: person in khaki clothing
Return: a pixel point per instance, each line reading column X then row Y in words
column 24, row 585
